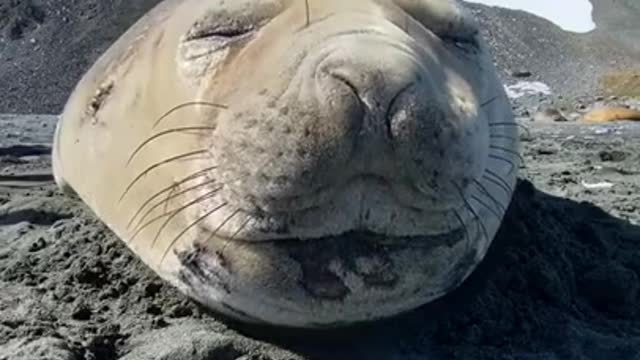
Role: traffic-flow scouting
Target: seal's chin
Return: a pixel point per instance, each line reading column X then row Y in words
column 357, row 276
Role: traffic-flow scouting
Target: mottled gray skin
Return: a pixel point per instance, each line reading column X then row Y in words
column 297, row 163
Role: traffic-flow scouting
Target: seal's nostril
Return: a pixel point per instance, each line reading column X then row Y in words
column 393, row 105
column 376, row 96
column 348, row 83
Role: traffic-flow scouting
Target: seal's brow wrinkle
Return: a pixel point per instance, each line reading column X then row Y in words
column 299, row 163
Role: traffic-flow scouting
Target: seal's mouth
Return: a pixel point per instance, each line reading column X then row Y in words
column 403, row 192
column 385, row 240
column 364, row 205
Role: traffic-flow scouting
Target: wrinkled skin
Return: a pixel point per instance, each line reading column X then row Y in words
column 297, row 163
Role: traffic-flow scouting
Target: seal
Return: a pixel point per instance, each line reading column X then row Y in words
column 306, row 164
column 609, row 114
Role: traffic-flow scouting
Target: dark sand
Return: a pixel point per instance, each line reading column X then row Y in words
column 561, row 280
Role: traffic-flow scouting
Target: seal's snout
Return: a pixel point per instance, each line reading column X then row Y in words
column 376, row 89
column 408, row 127
column 364, row 125
column 377, row 81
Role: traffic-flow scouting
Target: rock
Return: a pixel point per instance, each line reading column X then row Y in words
column 198, row 340
column 613, row 155
column 81, row 312
column 47, row 348
column 549, row 115
column 574, row 116
column 521, row 74
column 19, row 304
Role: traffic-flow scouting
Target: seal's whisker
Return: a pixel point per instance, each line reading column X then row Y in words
column 207, row 195
column 213, row 234
column 182, row 130
column 481, row 202
column 498, row 181
column 230, row 240
column 501, row 136
column 205, row 156
column 242, row 227
column 184, row 207
column 185, row 105
column 502, row 158
column 222, row 224
column 307, row 11
column 511, row 123
column 169, row 188
column 486, row 193
column 174, row 188
column 406, row 25
column 464, row 226
column 509, row 151
column 472, row 210
column 172, row 213
column 166, row 200
column 489, row 101
column 157, row 165
column 184, row 231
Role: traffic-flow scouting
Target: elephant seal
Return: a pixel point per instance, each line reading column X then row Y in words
column 306, row 164
column 608, row 114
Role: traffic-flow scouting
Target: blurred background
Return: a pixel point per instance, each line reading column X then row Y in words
column 574, row 48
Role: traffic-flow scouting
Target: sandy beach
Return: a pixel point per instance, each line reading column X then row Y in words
column 560, row 281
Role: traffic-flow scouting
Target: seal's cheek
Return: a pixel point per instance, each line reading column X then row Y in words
column 436, row 142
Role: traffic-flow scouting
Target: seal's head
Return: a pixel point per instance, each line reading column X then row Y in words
column 358, row 156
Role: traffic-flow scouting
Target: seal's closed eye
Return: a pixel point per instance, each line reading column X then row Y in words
column 229, row 30
column 228, row 25
column 207, row 42
column 223, row 28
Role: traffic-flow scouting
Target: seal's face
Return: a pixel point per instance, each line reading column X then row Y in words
column 342, row 115
column 349, row 168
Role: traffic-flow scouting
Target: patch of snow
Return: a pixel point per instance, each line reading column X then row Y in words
column 570, row 15
column 600, row 185
column 602, row 131
column 523, row 88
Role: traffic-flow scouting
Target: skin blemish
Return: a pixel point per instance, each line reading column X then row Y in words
column 98, row 100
